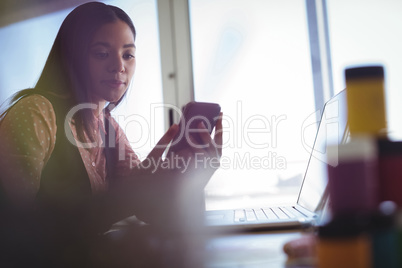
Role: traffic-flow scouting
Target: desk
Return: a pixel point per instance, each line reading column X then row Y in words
column 141, row 248
column 249, row 250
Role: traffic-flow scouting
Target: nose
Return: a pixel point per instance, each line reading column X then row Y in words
column 116, row 65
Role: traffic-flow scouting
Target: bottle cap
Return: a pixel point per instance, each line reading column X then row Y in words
column 344, row 227
column 364, row 72
column 389, row 147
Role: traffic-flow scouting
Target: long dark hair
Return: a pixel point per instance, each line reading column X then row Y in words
column 65, row 74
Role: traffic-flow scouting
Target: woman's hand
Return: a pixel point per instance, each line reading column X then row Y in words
column 213, row 147
column 204, row 155
column 165, row 191
column 201, row 154
column 154, row 159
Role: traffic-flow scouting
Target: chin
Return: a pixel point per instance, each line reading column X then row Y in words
column 114, row 98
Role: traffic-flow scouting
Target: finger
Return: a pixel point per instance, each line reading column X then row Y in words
column 162, row 144
column 204, row 134
column 218, row 137
column 207, row 142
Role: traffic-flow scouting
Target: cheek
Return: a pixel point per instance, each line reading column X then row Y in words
column 95, row 71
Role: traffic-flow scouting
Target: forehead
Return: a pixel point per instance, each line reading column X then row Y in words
column 114, row 33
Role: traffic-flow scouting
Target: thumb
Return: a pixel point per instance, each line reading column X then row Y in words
column 162, row 144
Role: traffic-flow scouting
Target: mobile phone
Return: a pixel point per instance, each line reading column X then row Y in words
column 193, row 114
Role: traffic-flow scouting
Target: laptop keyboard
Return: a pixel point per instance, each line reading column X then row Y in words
column 263, row 214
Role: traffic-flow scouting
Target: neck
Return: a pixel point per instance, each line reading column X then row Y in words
column 100, row 104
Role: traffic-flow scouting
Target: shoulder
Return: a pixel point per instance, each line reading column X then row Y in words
column 35, row 101
column 33, row 108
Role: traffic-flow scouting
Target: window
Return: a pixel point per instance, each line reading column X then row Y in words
column 366, row 32
column 24, row 48
column 253, row 58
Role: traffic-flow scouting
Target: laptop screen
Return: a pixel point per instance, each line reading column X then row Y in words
column 332, row 130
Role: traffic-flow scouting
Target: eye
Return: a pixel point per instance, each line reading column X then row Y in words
column 100, row 54
column 128, row 56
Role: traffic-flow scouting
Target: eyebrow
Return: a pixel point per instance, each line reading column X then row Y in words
column 105, row 44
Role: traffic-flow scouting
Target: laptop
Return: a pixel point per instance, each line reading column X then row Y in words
column 309, row 207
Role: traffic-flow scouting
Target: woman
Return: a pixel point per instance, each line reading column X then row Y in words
column 64, row 160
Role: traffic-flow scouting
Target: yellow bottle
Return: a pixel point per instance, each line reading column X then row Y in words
column 344, row 243
column 366, row 101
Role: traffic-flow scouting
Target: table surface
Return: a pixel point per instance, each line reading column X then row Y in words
column 264, row 249
column 207, row 250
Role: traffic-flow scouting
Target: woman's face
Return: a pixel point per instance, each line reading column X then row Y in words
column 111, row 61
